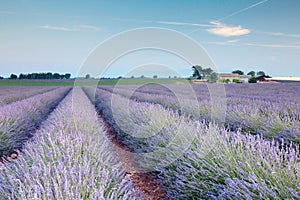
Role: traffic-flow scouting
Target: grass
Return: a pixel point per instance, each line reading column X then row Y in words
column 90, row 82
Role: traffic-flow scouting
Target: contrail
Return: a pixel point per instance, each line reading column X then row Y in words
column 244, row 9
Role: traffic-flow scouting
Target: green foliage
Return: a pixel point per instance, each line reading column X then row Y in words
column 240, row 72
column 213, row 77
column 222, row 80
column 204, row 73
column 236, row 80
column 251, row 73
column 13, row 76
column 48, row 75
column 155, row 76
column 252, row 80
column 260, row 73
column 87, row 76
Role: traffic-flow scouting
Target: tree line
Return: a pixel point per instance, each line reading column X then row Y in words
column 48, row 75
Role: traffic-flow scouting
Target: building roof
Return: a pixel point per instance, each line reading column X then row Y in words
column 229, row 75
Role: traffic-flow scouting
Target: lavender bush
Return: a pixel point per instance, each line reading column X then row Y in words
column 256, row 109
column 12, row 94
column 19, row 120
column 69, row 158
column 220, row 164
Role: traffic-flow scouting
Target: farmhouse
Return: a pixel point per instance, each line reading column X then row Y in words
column 228, row 78
column 263, row 78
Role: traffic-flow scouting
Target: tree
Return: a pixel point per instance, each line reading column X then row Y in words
column 56, row 76
column 251, row 73
column 260, row 73
column 87, row 76
column 236, row 80
column 155, row 76
column 213, row 77
column 240, row 72
column 201, row 73
column 252, row 80
column 132, row 77
column 13, row 76
column 67, row 76
column 1, row 78
column 142, row 76
column 49, row 75
column 22, row 76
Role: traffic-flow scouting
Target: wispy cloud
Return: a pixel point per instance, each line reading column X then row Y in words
column 279, row 34
column 183, row 23
column 235, row 43
column 77, row 28
column 274, row 45
column 243, row 10
column 227, row 31
column 228, row 42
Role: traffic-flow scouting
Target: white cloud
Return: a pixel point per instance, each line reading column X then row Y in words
column 227, row 31
column 78, row 28
column 183, row 23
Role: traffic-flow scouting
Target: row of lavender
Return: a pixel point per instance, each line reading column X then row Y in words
column 269, row 110
column 218, row 163
column 69, row 158
column 19, row 120
column 12, row 94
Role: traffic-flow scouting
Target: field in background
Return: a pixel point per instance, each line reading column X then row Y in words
column 90, row 82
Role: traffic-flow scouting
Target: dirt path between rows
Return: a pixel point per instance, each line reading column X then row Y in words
column 147, row 183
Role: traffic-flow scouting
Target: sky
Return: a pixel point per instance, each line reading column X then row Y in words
column 58, row 36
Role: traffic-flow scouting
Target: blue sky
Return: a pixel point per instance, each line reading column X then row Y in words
column 58, row 36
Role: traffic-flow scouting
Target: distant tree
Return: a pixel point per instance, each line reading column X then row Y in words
column 87, row 76
column 213, row 77
column 251, row 73
column 13, row 76
column 56, row 76
column 132, row 77
column 260, row 73
column 205, row 73
column 240, row 72
column 222, row 80
column 175, row 76
column 1, row 78
column 49, row 75
column 252, row 80
column 120, row 77
column 227, row 81
column 236, row 80
column 142, row 76
column 170, row 77
column 67, row 76
column 22, row 76
column 201, row 73
column 155, row 76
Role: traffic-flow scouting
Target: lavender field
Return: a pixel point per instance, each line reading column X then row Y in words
column 143, row 142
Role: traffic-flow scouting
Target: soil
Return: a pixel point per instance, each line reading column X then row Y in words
column 146, row 182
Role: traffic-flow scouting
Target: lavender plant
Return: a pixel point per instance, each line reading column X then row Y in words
column 69, row 158
column 19, row 120
column 219, row 164
column 256, row 109
column 12, row 94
